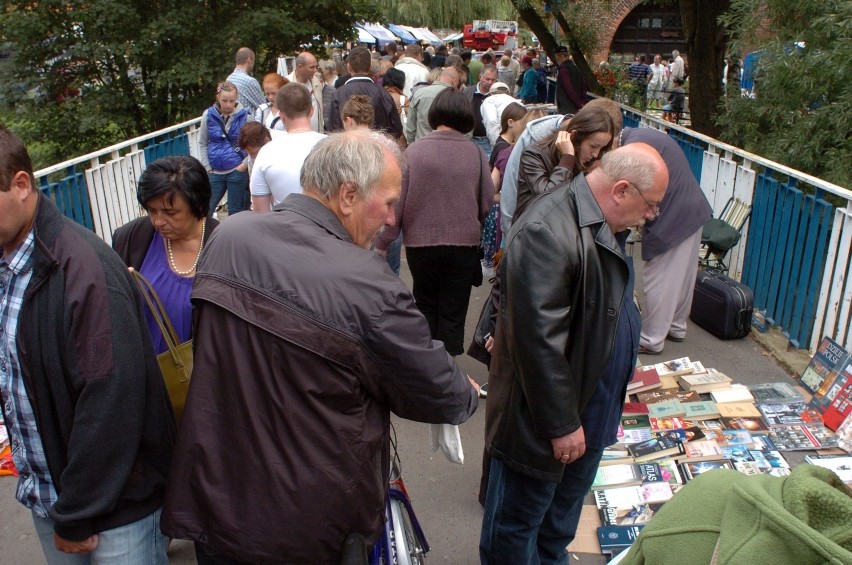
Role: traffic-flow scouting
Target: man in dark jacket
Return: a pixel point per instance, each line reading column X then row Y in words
column 84, row 402
column 564, row 349
column 570, row 87
column 386, row 117
column 305, row 343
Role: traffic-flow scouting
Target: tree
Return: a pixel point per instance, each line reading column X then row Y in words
column 706, row 43
column 444, row 13
column 100, row 71
column 801, row 114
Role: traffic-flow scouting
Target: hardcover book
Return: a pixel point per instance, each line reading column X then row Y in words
column 613, row 539
column 655, row 448
column 644, row 378
column 693, row 469
column 705, row 410
column 823, row 368
column 775, row 393
column 665, row 409
column 660, row 395
column 705, row 382
column 734, row 393
column 634, row 409
column 675, row 367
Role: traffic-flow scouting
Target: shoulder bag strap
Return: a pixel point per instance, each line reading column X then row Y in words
column 157, row 309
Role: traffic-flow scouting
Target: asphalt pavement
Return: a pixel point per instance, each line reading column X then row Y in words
column 444, row 494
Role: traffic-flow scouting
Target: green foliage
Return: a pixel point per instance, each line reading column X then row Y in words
column 141, row 65
column 802, row 112
column 445, row 13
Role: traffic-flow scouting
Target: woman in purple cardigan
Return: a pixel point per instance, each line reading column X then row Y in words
column 446, row 195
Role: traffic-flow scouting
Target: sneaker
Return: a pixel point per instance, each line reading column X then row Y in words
column 483, row 391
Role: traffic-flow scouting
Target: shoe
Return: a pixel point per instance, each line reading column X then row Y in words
column 483, row 391
column 645, row 351
column 675, row 339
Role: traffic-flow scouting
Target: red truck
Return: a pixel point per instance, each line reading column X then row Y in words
column 482, row 35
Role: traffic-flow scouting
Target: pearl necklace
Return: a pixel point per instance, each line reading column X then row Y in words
column 197, row 257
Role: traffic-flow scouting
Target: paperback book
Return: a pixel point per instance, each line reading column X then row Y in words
column 701, row 450
column 705, row 382
column 655, row 448
column 666, row 409
column 753, row 425
column 660, row 395
column 823, row 368
column 839, row 399
column 796, row 438
column 738, row 410
column 840, row 464
column 775, row 393
column 734, row 393
column 792, row 414
column 691, row 470
column 614, row 539
column 705, row 410
column 675, row 367
column 644, row 378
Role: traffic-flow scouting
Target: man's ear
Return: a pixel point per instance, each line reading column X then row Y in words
column 346, row 197
column 22, row 184
column 619, row 191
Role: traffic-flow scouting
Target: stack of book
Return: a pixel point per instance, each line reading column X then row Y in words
column 683, row 419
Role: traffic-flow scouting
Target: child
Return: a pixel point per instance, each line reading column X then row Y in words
column 220, row 152
column 677, row 99
column 267, row 113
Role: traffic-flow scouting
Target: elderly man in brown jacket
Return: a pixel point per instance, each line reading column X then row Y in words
column 305, row 343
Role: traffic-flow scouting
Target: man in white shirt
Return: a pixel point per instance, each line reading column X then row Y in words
column 411, row 65
column 677, row 68
column 305, row 73
column 279, row 163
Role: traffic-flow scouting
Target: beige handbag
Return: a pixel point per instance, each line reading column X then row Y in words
column 176, row 363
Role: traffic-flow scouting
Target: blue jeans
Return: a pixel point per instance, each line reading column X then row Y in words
column 137, row 543
column 393, row 255
column 484, row 144
column 236, row 184
column 530, row 521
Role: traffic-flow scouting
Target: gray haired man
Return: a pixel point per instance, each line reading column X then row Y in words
column 305, row 343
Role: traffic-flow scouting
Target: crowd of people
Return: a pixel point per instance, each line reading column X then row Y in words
column 305, row 338
column 659, row 86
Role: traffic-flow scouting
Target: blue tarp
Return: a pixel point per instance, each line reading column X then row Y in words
column 363, row 36
column 404, row 35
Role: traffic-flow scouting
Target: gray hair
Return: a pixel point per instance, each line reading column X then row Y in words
column 328, row 66
column 357, row 156
column 630, row 166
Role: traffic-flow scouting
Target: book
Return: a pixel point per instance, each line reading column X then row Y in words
column 644, row 378
column 749, row 424
column 669, row 471
column 840, row 464
column 839, row 398
column 655, row 448
column 619, row 497
column 635, row 422
column 738, row 437
column 737, row 453
column 669, row 382
column 823, row 367
column 665, row 409
column 701, row 450
column 675, row 367
column 796, row 438
column 792, row 414
column 638, row 435
column 686, row 434
column 762, row 442
column 691, row 470
column 775, row 393
column 705, row 382
column 634, row 409
column 734, row 393
column 617, row 476
column 738, row 410
column 660, row 395
column 641, row 514
column 655, row 493
column 776, row 460
column 748, row 468
column 613, row 539
column 705, row 410
column 664, row 424
column 844, row 434
column 651, row 473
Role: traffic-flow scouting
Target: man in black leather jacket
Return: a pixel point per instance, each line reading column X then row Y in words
column 565, row 347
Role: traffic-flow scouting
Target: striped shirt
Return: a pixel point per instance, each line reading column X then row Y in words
column 35, row 485
column 249, row 94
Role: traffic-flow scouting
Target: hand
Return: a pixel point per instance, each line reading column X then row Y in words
column 384, row 253
column 569, row 448
column 564, row 143
column 81, row 547
column 474, row 384
column 497, row 198
column 489, row 344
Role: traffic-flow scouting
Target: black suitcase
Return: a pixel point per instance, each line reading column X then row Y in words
column 721, row 305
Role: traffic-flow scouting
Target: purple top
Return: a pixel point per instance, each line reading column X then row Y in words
column 174, row 292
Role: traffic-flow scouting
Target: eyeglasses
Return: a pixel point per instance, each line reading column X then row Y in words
column 654, row 208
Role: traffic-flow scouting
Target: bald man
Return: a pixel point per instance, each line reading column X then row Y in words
column 305, row 73
column 557, row 381
column 417, row 124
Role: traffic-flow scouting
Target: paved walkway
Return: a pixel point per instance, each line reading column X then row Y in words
column 444, row 495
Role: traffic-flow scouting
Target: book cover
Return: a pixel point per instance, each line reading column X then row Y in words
column 748, row 468
column 670, row 471
column 616, row 537
column 665, row 424
column 844, row 434
column 705, row 382
column 669, row 382
column 655, row 448
column 705, row 410
column 701, row 450
column 792, row 414
column 737, row 453
column 691, row 470
column 666, row 409
column 619, row 497
column 644, row 378
column 690, row 433
column 762, row 442
column 634, row 409
column 749, row 424
column 823, row 368
column 635, row 422
column 738, row 437
column 734, row 393
column 840, row 464
column 651, row 473
column 640, row 514
column 635, row 436
column 839, row 404
column 738, row 410
column 796, row 438
column 776, row 460
column 760, row 459
column 775, row 393
column 617, row 476
column 655, row 493
column 675, row 367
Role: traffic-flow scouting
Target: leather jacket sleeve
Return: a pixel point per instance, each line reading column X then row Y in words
column 538, row 319
column 537, row 175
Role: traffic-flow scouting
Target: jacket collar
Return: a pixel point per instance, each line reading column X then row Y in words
column 317, row 212
column 589, row 214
